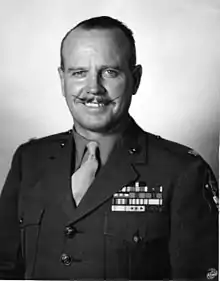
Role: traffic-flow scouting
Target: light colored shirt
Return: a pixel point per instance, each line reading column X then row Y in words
column 105, row 144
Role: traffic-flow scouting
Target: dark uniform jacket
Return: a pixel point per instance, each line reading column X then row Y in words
column 149, row 214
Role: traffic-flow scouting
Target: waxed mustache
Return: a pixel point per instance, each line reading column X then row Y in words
column 97, row 99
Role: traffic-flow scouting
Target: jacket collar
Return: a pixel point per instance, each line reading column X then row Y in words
column 135, row 141
column 120, row 169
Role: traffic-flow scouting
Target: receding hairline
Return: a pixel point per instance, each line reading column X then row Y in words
column 114, row 25
column 80, row 28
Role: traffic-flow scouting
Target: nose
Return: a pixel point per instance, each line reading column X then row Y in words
column 94, row 85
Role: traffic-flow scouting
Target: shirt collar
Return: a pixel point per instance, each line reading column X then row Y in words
column 105, row 143
column 80, row 146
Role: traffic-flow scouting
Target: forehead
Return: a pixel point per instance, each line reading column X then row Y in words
column 106, row 44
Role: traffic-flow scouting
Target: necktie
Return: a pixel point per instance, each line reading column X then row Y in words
column 84, row 176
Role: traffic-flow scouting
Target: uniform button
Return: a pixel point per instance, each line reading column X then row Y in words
column 21, row 220
column 132, row 150
column 62, row 144
column 66, row 259
column 70, row 231
column 136, row 239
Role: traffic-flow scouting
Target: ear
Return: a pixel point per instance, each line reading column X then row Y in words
column 61, row 74
column 136, row 73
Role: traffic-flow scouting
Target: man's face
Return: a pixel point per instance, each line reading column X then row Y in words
column 97, row 81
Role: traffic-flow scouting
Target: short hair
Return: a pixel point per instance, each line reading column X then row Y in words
column 104, row 22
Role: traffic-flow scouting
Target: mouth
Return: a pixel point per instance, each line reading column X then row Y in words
column 94, row 104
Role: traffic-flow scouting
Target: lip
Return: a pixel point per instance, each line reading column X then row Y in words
column 94, row 104
column 95, row 107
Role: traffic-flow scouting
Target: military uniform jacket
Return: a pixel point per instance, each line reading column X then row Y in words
column 149, row 214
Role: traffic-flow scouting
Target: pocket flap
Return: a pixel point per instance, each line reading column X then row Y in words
column 31, row 216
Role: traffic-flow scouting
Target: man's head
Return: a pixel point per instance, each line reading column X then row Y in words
column 98, row 73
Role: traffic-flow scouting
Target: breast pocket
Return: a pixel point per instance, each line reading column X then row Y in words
column 137, row 226
column 30, row 226
column 138, row 243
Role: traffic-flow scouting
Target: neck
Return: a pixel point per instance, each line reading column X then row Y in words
column 92, row 135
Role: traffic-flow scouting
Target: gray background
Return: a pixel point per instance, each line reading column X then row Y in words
column 178, row 44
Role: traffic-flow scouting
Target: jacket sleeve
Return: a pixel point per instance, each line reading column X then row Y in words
column 11, row 263
column 194, row 224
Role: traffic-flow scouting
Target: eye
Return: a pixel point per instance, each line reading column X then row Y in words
column 79, row 73
column 110, row 73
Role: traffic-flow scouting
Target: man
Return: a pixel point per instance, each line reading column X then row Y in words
column 106, row 200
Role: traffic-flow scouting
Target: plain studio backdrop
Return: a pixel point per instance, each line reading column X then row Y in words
column 178, row 44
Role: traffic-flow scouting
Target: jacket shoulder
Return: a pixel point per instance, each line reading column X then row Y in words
column 35, row 144
column 174, row 147
column 173, row 158
column 48, row 139
column 172, row 150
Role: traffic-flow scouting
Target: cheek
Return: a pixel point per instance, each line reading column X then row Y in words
column 116, row 88
column 71, row 87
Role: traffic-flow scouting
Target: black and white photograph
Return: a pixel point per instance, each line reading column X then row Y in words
column 109, row 140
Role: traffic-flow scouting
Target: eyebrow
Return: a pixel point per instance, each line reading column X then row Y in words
column 105, row 66
column 70, row 69
column 117, row 67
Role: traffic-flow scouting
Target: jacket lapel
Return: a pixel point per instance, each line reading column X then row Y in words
column 119, row 171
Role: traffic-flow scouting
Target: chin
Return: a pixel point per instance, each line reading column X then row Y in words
column 98, row 124
column 98, row 128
